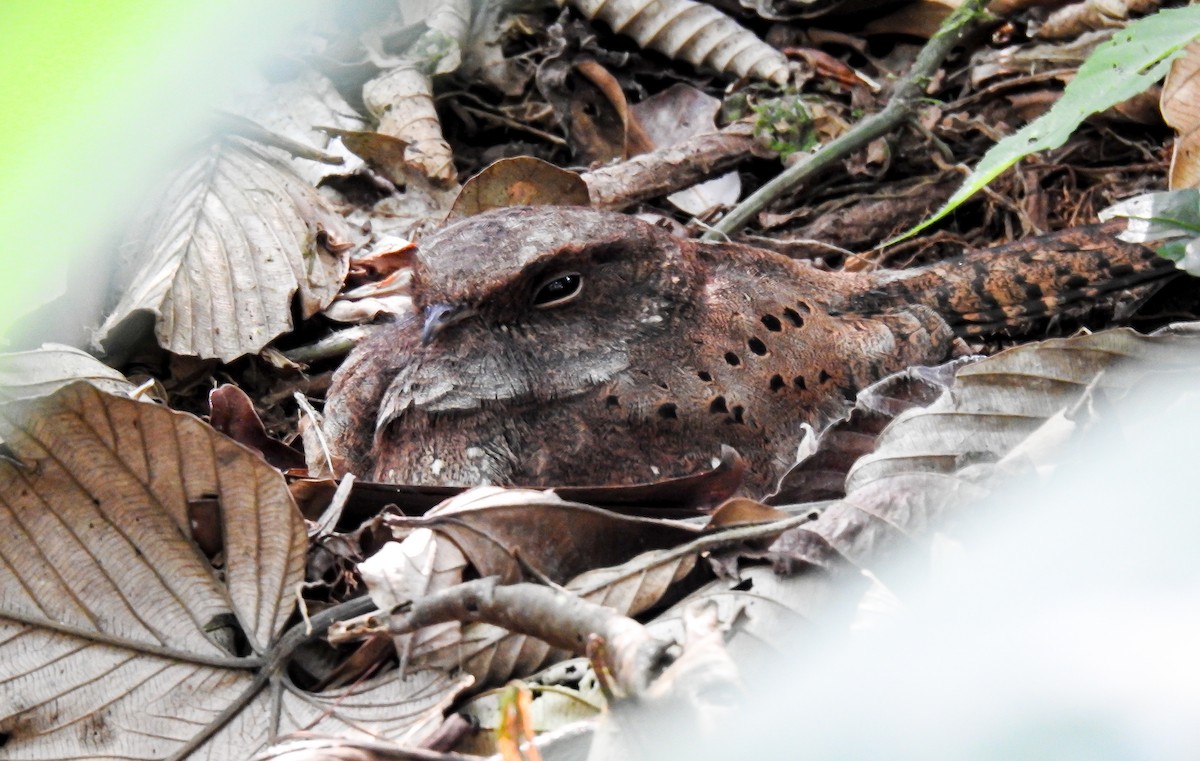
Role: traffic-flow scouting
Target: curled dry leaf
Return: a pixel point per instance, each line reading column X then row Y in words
column 217, row 261
column 520, row 181
column 40, row 372
column 597, row 115
column 102, row 582
column 1181, row 110
column 233, row 414
column 401, row 97
column 402, row 100
column 689, row 31
column 1090, row 15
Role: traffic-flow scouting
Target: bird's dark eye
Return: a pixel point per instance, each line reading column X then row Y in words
column 558, row 290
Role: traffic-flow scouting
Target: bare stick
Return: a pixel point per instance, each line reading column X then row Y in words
column 559, row 618
column 670, row 168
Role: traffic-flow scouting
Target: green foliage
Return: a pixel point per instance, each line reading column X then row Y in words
column 1173, row 216
column 1129, row 62
column 784, row 125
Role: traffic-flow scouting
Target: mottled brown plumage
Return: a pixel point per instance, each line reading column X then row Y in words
column 668, row 349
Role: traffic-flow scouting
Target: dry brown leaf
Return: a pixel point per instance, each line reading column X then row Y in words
column 217, row 261
column 1089, row 16
column 1181, row 110
column 402, row 100
column 637, row 585
column 504, row 531
column 918, row 19
column 598, row 119
column 42, row 371
column 385, row 154
column 741, row 511
column 520, row 181
column 689, row 31
column 101, row 581
column 232, row 413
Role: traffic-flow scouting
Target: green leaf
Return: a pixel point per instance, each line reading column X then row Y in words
column 1155, row 216
column 1126, row 64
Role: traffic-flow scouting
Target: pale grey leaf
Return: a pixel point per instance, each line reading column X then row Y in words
column 42, row 371
column 234, row 237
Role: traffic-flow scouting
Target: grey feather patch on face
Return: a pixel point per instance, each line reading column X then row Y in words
column 486, row 338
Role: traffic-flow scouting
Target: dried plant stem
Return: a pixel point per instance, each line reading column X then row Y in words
column 903, row 103
column 559, row 618
column 670, row 168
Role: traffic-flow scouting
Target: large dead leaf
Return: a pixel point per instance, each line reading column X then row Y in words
column 520, row 181
column 235, row 235
column 119, row 637
column 1180, row 96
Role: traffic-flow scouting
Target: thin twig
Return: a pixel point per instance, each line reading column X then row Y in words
column 902, row 105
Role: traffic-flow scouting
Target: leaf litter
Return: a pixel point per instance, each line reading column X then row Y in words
column 157, row 579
